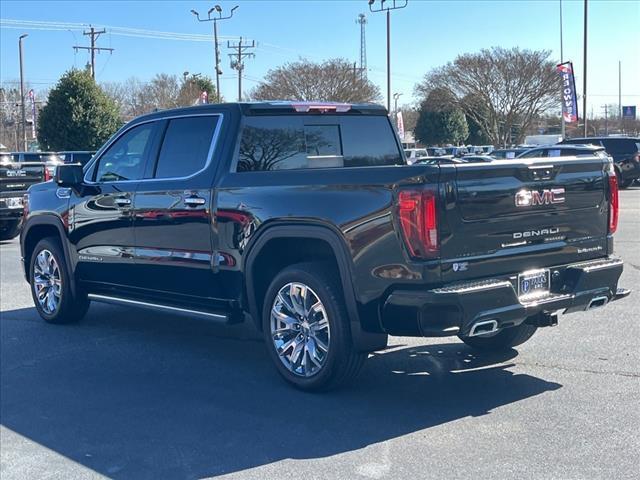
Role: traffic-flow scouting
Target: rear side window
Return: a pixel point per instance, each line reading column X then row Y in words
column 615, row 146
column 272, row 143
column 185, row 147
column 369, row 141
column 298, row 142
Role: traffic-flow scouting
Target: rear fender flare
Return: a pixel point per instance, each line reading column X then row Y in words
column 363, row 341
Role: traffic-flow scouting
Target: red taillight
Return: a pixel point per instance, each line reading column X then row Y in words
column 419, row 222
column 613, row 202
column 25, row 205
column 47, row 174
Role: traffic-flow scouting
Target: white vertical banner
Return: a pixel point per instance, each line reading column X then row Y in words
column 400, row 123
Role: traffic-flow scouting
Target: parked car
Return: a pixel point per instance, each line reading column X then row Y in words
column 413, row 154
column 436, row 151
column 456, row 151
column 625, row 152
column 18, row 171
column 507, row 153
column 298, row 217
column 553, row 151
column 50, row 159
column 81, row 157
column 487, row 149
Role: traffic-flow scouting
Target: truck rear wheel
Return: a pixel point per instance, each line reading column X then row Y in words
column 9, row 229
column 503, row 339
column 306, row 328
column 51, row 284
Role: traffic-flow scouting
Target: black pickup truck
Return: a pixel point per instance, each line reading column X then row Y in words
column 18, row 171
column 305, row 219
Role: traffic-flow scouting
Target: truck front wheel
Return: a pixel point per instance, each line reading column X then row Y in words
column 51, row 284
column 306, row 328
column 503, row 339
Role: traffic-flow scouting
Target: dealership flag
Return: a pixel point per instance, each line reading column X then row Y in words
column 400, row 125
column 569, row 100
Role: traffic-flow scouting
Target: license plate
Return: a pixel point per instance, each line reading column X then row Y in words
column 13, row 202
column 534, row 283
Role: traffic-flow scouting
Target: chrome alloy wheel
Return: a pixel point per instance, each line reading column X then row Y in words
column 47, row 282
column 300, row 329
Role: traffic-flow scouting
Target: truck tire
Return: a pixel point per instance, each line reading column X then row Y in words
column 51, row 284
column 626, row 183
column 503, row 339
column 9, row 229
column 306, row 328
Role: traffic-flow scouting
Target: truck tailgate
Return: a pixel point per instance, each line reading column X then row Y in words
column 18, row 177
column 512, row 216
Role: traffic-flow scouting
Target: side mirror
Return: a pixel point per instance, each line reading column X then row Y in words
column 69, row 175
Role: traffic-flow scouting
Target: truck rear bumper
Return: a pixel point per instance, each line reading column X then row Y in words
column 458, row 308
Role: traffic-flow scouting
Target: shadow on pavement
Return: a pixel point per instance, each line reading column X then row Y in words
column 131, row 394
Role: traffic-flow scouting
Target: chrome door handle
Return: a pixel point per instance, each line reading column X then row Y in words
column 122, row 201
column 194, row 201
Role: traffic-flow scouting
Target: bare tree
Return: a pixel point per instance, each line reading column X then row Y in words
column 132, row 97
column 501, row 90
column 164, row 89
column 335, row 80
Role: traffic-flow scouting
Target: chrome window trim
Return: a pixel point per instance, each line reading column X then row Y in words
column 212, row 147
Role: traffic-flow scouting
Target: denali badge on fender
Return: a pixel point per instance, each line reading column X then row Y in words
column 550, row 196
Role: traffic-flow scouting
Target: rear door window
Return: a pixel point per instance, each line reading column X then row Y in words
column 186, row 146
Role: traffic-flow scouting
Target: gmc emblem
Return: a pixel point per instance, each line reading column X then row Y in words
column 531, row 198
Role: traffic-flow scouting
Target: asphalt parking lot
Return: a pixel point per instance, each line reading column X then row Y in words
column 133, row 394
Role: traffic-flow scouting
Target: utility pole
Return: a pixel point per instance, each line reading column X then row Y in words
column 94, row 34
column 561, row 61
column 237, row 60
column 395, row 5
column 584, row 73
column 216, row 47
column 24, row 119
column 362, row 21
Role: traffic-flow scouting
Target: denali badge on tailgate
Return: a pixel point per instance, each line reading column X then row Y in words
column 548, row 196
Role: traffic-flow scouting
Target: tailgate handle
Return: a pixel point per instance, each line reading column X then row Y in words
column 542, row 172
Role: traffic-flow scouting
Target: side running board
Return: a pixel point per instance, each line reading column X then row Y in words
column 217, row 317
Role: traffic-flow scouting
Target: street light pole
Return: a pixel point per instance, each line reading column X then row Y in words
column 395, row 5
column 24, row 119
column 218, row 10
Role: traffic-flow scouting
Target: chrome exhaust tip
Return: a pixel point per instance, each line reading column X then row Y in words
column 598, row 302
column 483, row 328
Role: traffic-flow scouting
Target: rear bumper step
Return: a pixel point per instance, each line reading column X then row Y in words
column 470, row 308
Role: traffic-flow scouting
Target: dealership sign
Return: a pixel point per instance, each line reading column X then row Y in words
column 569, row 100
column 629, row 111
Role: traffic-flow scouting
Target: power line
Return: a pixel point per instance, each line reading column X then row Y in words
column 94, row 34
column 237, row 58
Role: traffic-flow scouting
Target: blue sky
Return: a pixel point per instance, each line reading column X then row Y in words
column 426, row 34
